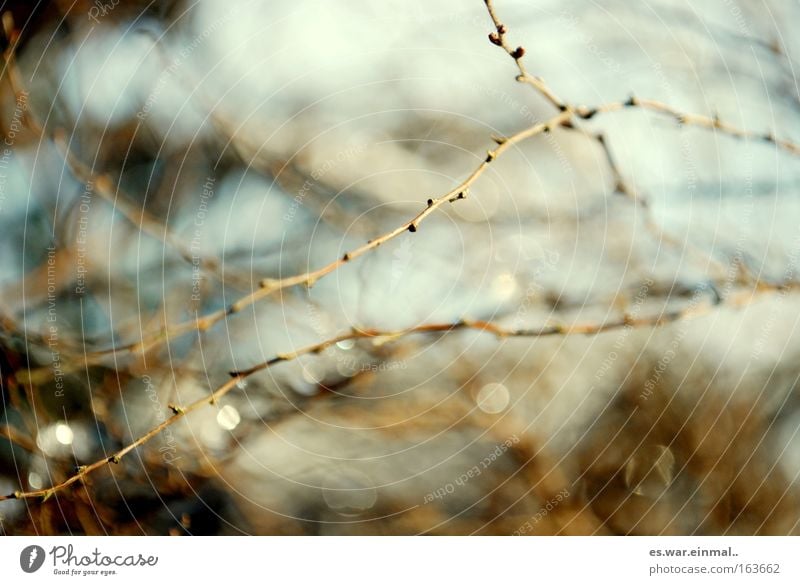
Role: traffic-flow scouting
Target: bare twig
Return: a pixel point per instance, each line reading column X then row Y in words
column 688, row 119
column 517, row 53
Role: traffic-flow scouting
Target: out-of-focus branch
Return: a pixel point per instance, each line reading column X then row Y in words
column 623, row 187
column 102, row 184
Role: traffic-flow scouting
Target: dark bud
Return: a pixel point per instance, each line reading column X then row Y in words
column 494, row 38
column 430, row 202
column 501, row 28
column 412, row 228
column 518, row 53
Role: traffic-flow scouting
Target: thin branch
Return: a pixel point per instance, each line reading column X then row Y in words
column 584, row 328
column 15, row 436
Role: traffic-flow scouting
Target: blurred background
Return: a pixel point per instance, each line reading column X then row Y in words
column 160, row 159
